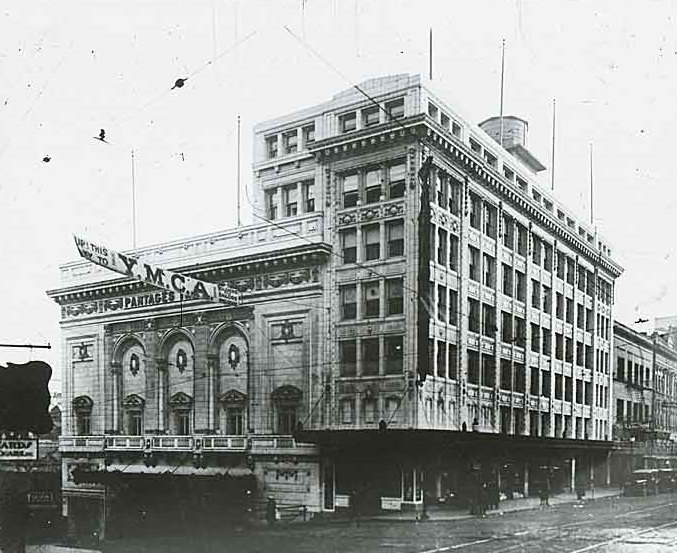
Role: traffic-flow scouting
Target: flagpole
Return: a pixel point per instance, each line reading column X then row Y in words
column 591, row 190
column 552, row 170
column 430, row 54
column 238, row 171
column 133, row 205
column 500, row 139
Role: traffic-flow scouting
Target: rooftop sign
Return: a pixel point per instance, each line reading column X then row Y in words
column 132, row 267
column 19, row 450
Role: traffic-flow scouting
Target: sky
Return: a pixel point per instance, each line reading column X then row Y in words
column 69, row 69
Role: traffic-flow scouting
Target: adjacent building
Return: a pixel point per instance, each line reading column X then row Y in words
column 417, row 315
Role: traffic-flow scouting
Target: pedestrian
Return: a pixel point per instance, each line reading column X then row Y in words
column 271, row 511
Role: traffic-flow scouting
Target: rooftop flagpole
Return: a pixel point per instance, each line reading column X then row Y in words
column 592, row 216
column 133, row 205
column 238, row 172
column 500, row 138
column 552, row 169
column 430, row 55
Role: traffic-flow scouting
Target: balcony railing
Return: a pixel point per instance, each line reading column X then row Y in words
column 210, row 443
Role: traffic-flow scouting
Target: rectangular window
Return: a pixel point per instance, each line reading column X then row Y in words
column 570, row 270
column 490, row 159
column 456, row 129
column 372, row 184
column 506, row 374
column 372, row 242
column 520, row 380
column 520, row 286
column 473, row 367
column 370, row 116
column 441, row 359
column 535, row 294
column 395, row 108
column 135, row 423
column 371, row 298
column 395, row 230
column 442, row 246
column 569, row 350
column 475, row 213
column 580, row 316
column 394, row 355
column 349, row 245
column 534, row 387
column 396, row 180
column 309, row 196
column 521, row 240
column 182, row 419
column 287, row 416
column 370, row 355
column 290, row 141
column 441, row 189
column 547, row 257
column 441, row 303
column 536, row 249
column 520, row 332
column 473, row 315
column 348, row 296
column 506, row 326
column 507, row 279
column 453, row 307
column 490, row 220
column 350, row 190
column 546, row 342
column 489, row 271
column 452, row 361
column 309, row 134
column 559, row 346
column 271, row 146
column 395, row 296
column 348, row 122
column 347, row 410
column 235, row 421
column 444, row 120
column 508, row 232
column 84, row 424
column 369, row 410
column 559, row 379
column 347, row 357
column 455, row 188
column 547, row 299
column 291, row 205
column 559, row 306
column 271, row 204
column 488, row 370
column 570, row 310
column 535, row 338
column 561, row 265
column 488, row 320
column 474, row 264
column 453, row 252
column 620, row 369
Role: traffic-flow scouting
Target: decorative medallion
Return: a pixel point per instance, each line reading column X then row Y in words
column 134, row 364
column 233, row 356
column 181, row 360
column 286, row 331
column 82, row 352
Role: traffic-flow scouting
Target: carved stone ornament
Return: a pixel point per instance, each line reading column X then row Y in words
column 133, row 402
column 232, row 398
column 181, row 360
column 181, row 401
column 233, row 356
column 286, row 331
column 134, row 364
column 83, row 404
column 287, row 394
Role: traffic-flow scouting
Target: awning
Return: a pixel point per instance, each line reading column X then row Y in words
column 181, row 470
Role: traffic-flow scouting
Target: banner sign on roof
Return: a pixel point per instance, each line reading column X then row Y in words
column 132, row 267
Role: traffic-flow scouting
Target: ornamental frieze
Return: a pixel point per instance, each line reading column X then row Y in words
column 371, row 213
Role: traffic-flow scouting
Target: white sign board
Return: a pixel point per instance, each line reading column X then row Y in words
column 19, row 450
column 156, row 276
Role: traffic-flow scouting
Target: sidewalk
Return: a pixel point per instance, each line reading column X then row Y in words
column 437, row 513
column 47, row 548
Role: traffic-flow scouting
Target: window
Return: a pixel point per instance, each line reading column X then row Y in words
column 546, row 342
column 570, row 311
column 570, row 270
column 371, row 353
column 290, row 140
column 453, row 364
column 474, row 265
column 547, row 256
column 234, row 421
column 559, row 306
column 369, row 410
column 372, row 186
column 475, row 146
column 455, row 196
column 453, row 252
column 135, row 423
column 520, row 286
column 287, row 417
column 371, row 296
column 395, row 108
column 488, row 371
column 508, row 173
column 395, row 230
column 370, row 116
column 473, row 315
column 535, row 294
column 559, row 346
column 441, row 303
column 396, row 178
column 441, row 359
column 444, row 120
column 456, row 129
column 547, row 299
column 271, row 204
column 347, row 411
column 271, row 146
column 348, row 122
column 347, row 357
column 569, row 350
column 350, row 192
column 453, row 307
column 441, row 246
column 490, row 159
column 506, row 374
column 535, row 338
column 372, row 242
column 394, row 296
column 520, row 332
column 394, row 355
column 490, row 219
column 308, row 134
column 433, row 111
column 620, row 369
column 521, row 239
column 473, row 367
column 349, row 245
column 506, row 326
column 488, row 320
column 508, row 232
column 309, row 196
column 291, row 201
column 507, row 280
column 84, row 423
column 580, row 316
column 520, row 381
column 475, row 214
column 489, row 271
column 558, row 386
column 182, row 421
column 348, row 295
column 561, row 265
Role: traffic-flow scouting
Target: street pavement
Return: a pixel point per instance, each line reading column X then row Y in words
column 607, row 524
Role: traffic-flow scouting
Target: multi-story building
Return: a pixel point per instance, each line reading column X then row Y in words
column 645, row 394
column 416, row 335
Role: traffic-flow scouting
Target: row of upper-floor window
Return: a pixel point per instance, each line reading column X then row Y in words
column 635, row 373
column 372, row 299
column 665, row 382
column 376, row 240
column 289, row 141
column 515, row 238
column 371, row 116
column 372, row 355
column 290, row 200
column 632, row 411
column 370, row 410
column 373, row 184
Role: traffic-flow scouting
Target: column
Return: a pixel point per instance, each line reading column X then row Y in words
column 212, row 391
column 573, row 474
column 116, row 372
column 161, row 365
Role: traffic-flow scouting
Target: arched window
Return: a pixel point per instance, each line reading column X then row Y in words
column 181, row 405
column 82, row 406
column 133, row 406
column 233, row 403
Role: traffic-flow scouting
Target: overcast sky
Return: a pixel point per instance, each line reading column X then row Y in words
column 68, row 69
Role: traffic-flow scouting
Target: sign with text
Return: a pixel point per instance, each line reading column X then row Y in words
column 19, row 450
column 132, row 267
